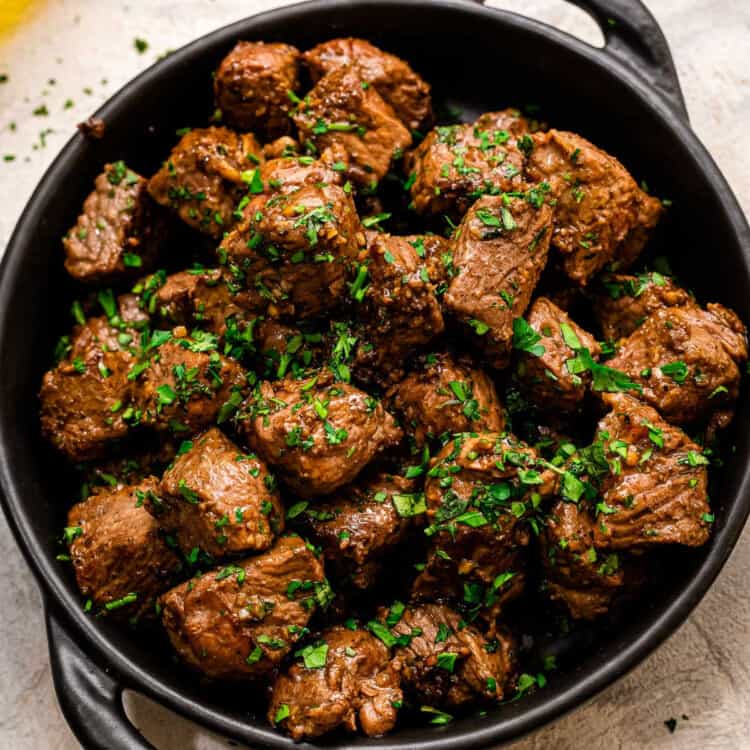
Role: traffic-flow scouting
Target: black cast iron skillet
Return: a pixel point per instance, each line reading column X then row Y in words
column 625, row 98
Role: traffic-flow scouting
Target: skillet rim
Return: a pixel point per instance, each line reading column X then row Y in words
column 544, row 706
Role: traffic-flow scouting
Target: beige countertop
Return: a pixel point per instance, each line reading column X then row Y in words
column 87, row 48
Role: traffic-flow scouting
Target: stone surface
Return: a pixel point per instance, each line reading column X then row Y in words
column 703, row 672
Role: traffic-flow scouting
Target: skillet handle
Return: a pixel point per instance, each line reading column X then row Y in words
column 635, row 40
column 90, row 699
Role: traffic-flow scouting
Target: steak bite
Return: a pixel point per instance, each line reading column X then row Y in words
column 205, row 177
column 623, row 302
column 436, row 255
column 445, row 661
column 601, row 215
column 253, row 87
column 121, row 562
column 318, row 434
column 345, row 678
column 550, row 341
column 362, row 523
column 499, row 253
column 202, row 298
column 656, row 489
column 120, row 232
column 575, row 573
column 292, row 250
column 289, row 174
column 85, row 398
column 456, row 164
column 180, row 386
column 398, row 307
column 688, row 362
column 240, row 621
column 217, row 499
column 393, row 78
column 443, row 396
column 344, row 111
column 478, row 492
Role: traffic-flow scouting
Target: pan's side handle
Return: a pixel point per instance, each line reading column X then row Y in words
column 635, row 39
column 90, row 699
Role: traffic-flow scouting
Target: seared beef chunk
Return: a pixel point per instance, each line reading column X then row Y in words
column 624, row 302
column 318, row 433
column 218, row 499
column 281, row 148
column 583, row 579
column 85, row 399
column 345, row 678
column 289, row 174
column 344, row 111
column 362, row 523
column 601, row 215
column 205, row 177
column 397, row 305
column 499, row 253
column 121, row 562
column 444, row 395
column 445, row 661
column 183, row 386
column 655, row 490
column 292, row 250
column 240, row 621
column 436, row 255
column 687, row 361
column 456, row 164
column 252, row 87
column 551, row 340
column 286, row 349
column 478, row 493
column 203, row 298
column 392, row 77
column 120, row 232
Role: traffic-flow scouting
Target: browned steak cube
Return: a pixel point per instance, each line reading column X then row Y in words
column 576, row 574
column 318, row 434
column 393, row 78
column 362, row 523
column 292, row 250
column 456, row 164
column 240, row 621
column 202, row 298
column 447, row 662
column 601, row 215
column 252, row 87
column 656, row 489
column 218, row 499
column 286, row 349
column 121, row 562
column 120, row 232
column 687, row 361
column 85, row 399
column 550, row 341
column 288, row 174
column 479, row 492
column 436, row 255
column 206, row 176
column 499, row 252
column 344, row 678
column 624, row 302
column 443, row 396
column 397, row 305
column 182, row 386
column 344, row 111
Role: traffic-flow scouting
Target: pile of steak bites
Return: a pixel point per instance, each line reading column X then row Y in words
column 335, row 460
